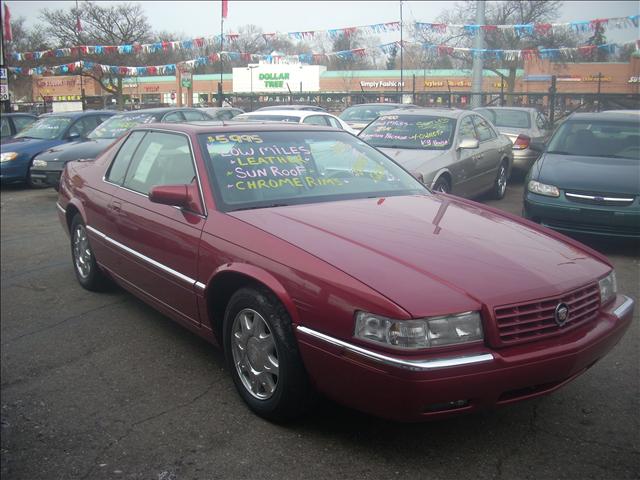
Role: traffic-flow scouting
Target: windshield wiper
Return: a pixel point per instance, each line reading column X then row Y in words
column 560, row 152
column 262, row 206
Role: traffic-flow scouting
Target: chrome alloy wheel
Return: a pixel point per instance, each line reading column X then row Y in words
column 255, row 354
column 502, row 180
column 81, row 251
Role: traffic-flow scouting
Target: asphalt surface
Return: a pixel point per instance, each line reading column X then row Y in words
column 98, row 386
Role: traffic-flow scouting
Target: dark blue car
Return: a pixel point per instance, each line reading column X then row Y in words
column 49, row 131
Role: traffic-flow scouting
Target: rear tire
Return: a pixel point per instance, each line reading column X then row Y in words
column 500, row 185
column 262, row 355
column 85, row 267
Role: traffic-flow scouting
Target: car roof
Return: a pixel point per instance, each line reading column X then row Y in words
column 156, row 110
column 20, row 114
column 496, row 107
column 80, row 114
column 296, row 113
column 209, row 126
column 291, row 107
column 391, row 104
column 612, row 115
column 440, row 112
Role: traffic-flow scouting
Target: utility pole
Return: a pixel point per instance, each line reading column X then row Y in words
column 478, row 44
column 401, row 58
column 220, row 90
column 552, row 100
column 598, row 97
column 78, row 30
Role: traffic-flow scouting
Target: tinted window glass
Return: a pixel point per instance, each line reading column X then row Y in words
column 119, row 124
column 467, row 130
column 174, row 117
column 485, row 132
column 293, row 167
column 410, row 131
column 334, row 123
column 85, row 125
column 364, row 113
column 270, row 118
column 119, row 165
column 225, row 115
column 6, row 127
column 541, row 122
column 507, row 118
column 316, row 120
column 47, row 128
column 191, row 115
column 161, row 159
column 597, row 139
column 22, row 122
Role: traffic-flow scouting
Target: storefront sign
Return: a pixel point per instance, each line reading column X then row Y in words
column 151, row 88
column 4, row 92
column 594, row 78
column 273, row 78
column 381, row 84
column 186, row 79
column 634, row 80
column 444, row 83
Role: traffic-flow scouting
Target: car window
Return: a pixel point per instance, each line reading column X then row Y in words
column 191, row 115
column 334, row 123
column 235, row 112
column 46, row 128
column 485, row 132
column 225, row 115
column 597, row 138
column 117, row 125
column 268, row 118
column 364, row 113
column 173, row 117
column 84, row 125
column 118, row 167
column 316, row 120
column 467, row 130
column 161, row 159
column 541, row 122
column 299, row 166
column 421, row 132
column 507, row 117
column 22, row 122
column 6, row 127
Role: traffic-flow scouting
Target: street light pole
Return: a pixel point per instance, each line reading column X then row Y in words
column 250, row 68
column 478, row 44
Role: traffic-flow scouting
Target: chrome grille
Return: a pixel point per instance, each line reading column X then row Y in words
column 525, row 322
column 604, row 199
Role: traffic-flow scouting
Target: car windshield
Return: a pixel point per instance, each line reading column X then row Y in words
column 46, row 128
column 364, row 113
column 507, row 118
column 115, row 126
column 296, row 167
column 268, row 118
column 410, row 131
column 599, row 138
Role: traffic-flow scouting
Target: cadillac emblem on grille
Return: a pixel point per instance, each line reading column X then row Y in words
column 561, row 314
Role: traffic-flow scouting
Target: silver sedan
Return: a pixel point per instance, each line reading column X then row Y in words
column 522, row 125
column 449, row 150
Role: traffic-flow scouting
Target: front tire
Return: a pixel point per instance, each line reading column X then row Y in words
column 500, row 185
column 85, row 267
column 442, row 185
column 262, row 355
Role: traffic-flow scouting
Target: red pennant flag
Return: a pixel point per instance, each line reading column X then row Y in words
column 225, row 8
column 6, row 25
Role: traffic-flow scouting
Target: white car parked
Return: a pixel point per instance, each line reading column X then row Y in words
column 297, row 116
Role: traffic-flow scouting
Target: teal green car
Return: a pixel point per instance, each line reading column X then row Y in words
column 587, row 181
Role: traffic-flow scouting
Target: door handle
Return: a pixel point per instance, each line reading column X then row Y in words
column 116, row 206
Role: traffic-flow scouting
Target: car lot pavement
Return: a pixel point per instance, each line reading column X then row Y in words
column 100, row 386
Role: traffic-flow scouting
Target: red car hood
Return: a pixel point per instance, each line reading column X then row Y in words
column 432, row 254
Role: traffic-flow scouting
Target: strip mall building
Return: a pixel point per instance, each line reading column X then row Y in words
column 283, row 83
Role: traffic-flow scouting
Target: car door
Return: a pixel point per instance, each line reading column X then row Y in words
column 490, row 154
column 463, row 165
column 160, row 242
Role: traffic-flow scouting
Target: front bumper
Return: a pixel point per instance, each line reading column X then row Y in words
column 13, row 171
column 414, row 389
column 562, row 215
column 49, row 178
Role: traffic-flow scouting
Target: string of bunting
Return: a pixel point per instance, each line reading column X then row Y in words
column 214, row 40
column 538, row 28
column 432, row 50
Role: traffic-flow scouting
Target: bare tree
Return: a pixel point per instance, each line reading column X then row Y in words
column 115, row 24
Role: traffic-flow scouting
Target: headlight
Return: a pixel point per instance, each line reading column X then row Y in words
column 422, row 333
column 39, row 163
column 608, row 287
column 8, row 156
column 543, row 189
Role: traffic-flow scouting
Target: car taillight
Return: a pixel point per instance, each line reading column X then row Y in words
column 521, row 142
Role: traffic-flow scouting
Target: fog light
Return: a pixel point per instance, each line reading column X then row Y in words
column 441, row 407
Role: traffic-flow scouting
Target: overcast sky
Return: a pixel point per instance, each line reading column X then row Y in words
column 201, row 18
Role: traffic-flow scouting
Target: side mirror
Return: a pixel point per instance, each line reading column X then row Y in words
column 537, row 146
column 468, row 143
column 173, row 195
column 73, row 136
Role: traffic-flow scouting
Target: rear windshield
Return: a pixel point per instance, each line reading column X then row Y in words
column 507, row 118
column 117, row 125
column 599, row 138
column 295, row 167
column 268, row 118
column 410, row 131
column 365, row 113
column 46, row 129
